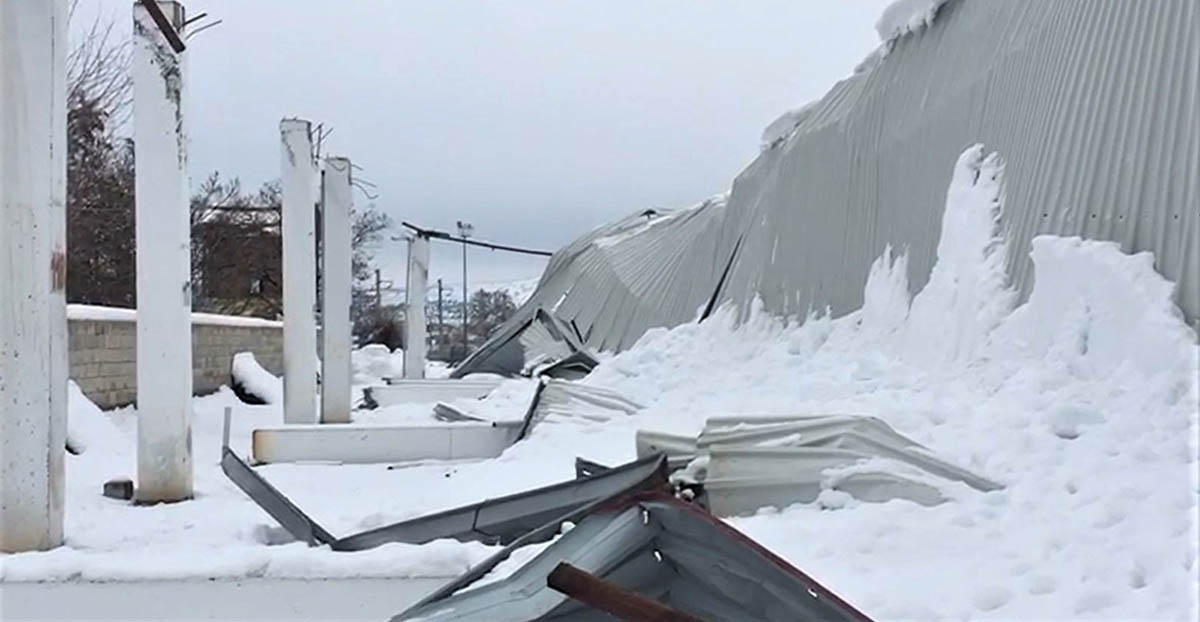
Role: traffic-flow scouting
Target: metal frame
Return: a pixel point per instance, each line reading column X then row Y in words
column 525, row 516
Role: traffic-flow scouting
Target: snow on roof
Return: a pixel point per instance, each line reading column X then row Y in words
column 902, row 17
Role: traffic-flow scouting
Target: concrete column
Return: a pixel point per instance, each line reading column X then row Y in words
column 299, row 273
column 335, row 305
column 414, row 323
column 33, row 323
column 164, row 295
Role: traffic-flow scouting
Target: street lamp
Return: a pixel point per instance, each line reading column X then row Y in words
column 465, row 229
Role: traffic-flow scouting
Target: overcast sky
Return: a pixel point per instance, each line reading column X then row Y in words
column 536, row 120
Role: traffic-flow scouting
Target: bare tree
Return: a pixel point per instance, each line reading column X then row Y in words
column 98, row 69
column 100, row 214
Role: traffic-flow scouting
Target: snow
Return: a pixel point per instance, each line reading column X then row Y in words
column 255, row 380
column 116, row 314
column 782, row 126
column 374, row 362
column 903, row 17
column 1082, row 401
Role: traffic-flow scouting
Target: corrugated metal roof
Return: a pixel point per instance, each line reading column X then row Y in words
column 1094, row 106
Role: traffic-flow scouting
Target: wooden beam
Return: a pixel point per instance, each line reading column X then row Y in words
column 610, row 598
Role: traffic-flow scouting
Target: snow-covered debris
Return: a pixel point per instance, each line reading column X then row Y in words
column 902, row 17
column 252, row 383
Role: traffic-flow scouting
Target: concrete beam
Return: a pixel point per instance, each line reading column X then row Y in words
column 431, row 391
column 366, row 444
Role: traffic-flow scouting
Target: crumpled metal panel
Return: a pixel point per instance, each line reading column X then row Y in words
column 653, row 268
column 1093, row 105
column 657, row 546
column 744, row 463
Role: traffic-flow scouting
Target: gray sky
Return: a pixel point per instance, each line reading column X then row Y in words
column 535, row 120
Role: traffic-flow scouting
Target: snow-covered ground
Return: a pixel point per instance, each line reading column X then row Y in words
column 1082, row 401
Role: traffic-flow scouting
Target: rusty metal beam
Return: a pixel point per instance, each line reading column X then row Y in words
column 611, row 598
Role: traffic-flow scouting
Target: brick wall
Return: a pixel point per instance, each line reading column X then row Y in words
column 103, row 352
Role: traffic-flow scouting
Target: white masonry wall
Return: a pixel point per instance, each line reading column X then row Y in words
column 335, row 306
column 33, row 356
column 414, row 322
column 164, row 297
column 299, row 272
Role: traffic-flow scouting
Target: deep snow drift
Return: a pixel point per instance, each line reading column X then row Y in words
column 1082, row 402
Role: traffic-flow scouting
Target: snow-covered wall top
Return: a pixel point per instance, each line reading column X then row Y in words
column 1092, row 105
column 116, row 314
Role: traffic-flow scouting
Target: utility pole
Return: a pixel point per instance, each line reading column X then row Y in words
column 465, row 229
column 33, row 315
column 378, row 291
column 441, row 323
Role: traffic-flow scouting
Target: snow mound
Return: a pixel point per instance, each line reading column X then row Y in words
column 967, row 294
column 1083, row 400
column 373, row 363
column 903, row 17
column 1100, row 306
column 252, row 383
column 88, row 427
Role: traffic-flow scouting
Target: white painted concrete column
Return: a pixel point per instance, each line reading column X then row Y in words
column 414, row 323
column 335, row 304
column 299, row 273
column 33, row 356
column 164, row 295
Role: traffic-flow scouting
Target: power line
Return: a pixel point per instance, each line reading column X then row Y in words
column 434, row 234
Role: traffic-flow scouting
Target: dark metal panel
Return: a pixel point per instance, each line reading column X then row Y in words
column 657, row 546
column 273, row 502
column 506, row 519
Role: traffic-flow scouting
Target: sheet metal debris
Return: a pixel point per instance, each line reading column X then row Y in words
column 740, row 464
column 656, row 546
column 500, row 520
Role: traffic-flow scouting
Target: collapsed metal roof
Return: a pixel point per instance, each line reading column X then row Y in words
column 1094, row 106
column 656, row 546
column 602, row 291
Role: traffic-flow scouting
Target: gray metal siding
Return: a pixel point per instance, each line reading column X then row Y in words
column 1092, row 105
